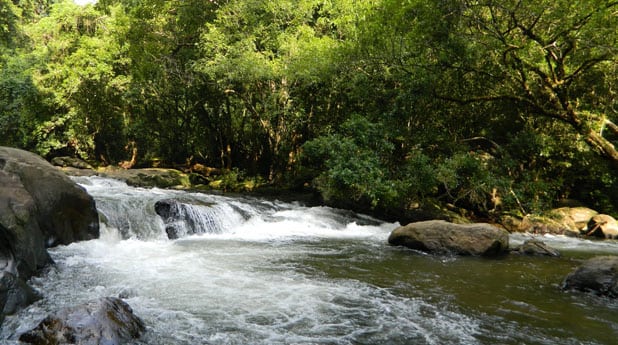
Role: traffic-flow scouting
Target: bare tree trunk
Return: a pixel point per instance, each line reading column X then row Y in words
column 606, row 148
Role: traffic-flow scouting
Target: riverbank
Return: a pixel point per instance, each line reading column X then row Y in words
column 571, row 221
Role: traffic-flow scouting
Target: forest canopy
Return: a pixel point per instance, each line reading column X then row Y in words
column 381, row 105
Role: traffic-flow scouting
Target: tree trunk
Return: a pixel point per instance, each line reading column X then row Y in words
column 606, row 148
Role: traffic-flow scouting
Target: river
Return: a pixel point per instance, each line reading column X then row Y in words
column 272, row 272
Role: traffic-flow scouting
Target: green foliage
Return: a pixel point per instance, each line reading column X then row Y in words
column 354, row 164
column 486, row 105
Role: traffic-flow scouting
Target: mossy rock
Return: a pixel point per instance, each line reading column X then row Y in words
column 168, row 179
column 152, row 177
column 561, row 221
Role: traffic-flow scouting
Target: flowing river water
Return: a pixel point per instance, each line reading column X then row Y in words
column 271, row 272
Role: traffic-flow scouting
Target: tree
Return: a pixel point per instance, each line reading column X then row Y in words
column 78, row 67
column 552, row 60
column 168, row 102
column 269, row 58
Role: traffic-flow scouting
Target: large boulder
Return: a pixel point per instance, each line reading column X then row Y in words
column 22, row 244
column 108, row 321
column 598, row 275
column 39, row 207
column 64, row 211
column 437, row 236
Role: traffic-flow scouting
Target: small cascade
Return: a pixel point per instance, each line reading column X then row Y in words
column 145, row 214
column 183, row 218
column 126, row 209
column 157, row 214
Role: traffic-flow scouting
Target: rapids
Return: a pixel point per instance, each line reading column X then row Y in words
column 272, row 272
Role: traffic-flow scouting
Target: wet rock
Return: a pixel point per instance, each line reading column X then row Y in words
column 598, row 275
column 602, row 226
column 537, row 248
column 14, row 294
column 438, row 236
column 108, row 321
column 183, row 218
column 39, row 207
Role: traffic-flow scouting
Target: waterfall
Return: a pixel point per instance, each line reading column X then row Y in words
column 183, row 218
column 156, row 213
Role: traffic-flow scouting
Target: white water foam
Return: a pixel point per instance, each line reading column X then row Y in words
column 247, row 284
column 571, row 244
column 226, row 292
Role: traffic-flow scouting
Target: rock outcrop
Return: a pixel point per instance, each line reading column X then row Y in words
column 149, row 177
column 436, row 236
column 108, row 321
column 598, row 275
column 39, row 207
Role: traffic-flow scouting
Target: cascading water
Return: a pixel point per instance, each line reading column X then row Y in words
column 253, row 271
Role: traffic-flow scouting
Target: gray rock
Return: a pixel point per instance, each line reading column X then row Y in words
column 108, row 321
column 14, row 294
column 65, row 212
column 39, row 207
column 537, row 248
column 437, row 236
column 22, row 244
column 182, row 218
column 598, row 275
column 70, row 162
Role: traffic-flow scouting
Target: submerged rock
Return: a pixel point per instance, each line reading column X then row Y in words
column 436, row 236
column 537, row 248
column 108, row 321
column 598, row 275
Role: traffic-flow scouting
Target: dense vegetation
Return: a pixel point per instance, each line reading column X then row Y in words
column 380, row 105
